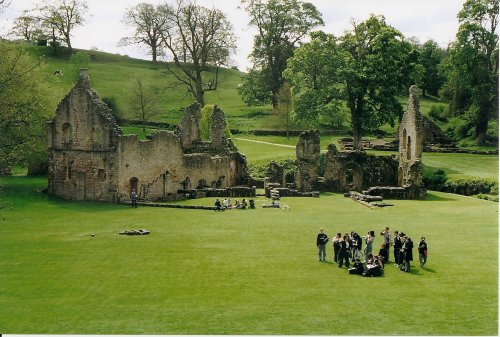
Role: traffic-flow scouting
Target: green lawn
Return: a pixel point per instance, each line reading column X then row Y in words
column 240, row 272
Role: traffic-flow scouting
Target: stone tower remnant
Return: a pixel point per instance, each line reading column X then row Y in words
column 308, row 152
column 410, row 170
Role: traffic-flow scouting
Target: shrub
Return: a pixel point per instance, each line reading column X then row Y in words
column 470, row 186
column 488, row 197
column 438, row 113
column 435, row 180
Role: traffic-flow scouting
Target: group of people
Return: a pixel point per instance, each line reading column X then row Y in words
column 226, row 204
column 349, row 247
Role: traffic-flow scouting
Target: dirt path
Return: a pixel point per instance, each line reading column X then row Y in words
column 268, row 143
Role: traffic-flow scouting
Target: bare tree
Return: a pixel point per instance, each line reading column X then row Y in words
column 143, row 102
column 62, row 16
column 148, row 21
column 200, row 40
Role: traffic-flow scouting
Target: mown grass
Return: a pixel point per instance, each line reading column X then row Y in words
column 240, row 272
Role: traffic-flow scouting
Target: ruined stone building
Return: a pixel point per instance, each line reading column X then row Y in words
column 387, row 176
column 90, row 158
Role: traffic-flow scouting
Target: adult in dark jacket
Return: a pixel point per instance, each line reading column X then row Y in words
column 336, row 246
column 408, row 254
column 344, row 251
column 321, row 242
column 422, row 252
column 397, row 248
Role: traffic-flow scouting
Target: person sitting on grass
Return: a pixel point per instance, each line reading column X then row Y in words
column 244, row 204
column 218, row 205
column 374, row 267
column 252, row 204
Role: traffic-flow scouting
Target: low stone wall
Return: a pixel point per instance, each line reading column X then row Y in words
column 390, row 192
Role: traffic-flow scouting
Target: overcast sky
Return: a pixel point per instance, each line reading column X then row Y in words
column 424, row 19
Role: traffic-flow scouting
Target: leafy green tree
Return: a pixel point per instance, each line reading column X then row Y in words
column 366, row 69
column 200, row 40
column 285, row 105
column 474, row 56
column 27, row 27
column 281, row 25
column 431, row 56
column 148, row 22
column 23, row 106
column 206, row 123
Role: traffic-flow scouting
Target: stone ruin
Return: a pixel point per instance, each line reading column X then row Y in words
column 395, row 177
column 90, row 158
column 308, row 153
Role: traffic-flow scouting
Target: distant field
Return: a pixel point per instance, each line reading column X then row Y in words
column 247, row 272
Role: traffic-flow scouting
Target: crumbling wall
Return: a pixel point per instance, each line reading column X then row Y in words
column 190, row 126
column 218, row 125
column 82, row 143
column 357, row 170
column 308, row 152
column 89, row 159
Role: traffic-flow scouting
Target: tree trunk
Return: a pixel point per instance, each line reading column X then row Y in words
column 357, row 127
column 200, row 93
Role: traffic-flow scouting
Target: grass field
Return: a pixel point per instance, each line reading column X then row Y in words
column 240, row 272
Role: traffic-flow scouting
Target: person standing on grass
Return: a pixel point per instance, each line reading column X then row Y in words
column 344, row 251
column 321, row 242
column 387, row 240
column 422, row 252
column 133, row 197
column 408, row 254
column 369, row 238
column 397, row 248
column 336, row 246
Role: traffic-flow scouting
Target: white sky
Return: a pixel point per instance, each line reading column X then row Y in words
column 424, row 19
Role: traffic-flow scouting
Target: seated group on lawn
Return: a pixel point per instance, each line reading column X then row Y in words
column 226, row 204
column 350, row 247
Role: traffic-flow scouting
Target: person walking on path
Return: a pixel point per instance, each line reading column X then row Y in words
column 422, row 252
column 321, row 242
column 133, row 197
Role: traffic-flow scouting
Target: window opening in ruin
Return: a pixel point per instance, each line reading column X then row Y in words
column 408, row 149
column 134, row 183
column 101, row 175
column 68, row 172
column 404, row 139
column 349, row 176
column 67, row 134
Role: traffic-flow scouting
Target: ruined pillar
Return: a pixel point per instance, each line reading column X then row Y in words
column 410, row 170
column 217, row 128
column 308, row 151
column 190, row 127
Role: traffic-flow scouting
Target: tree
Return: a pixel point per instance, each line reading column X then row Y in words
column 281, row 25
column 23, row 106
column 143, row 102
column 200, row 40
column 63, row 16
column 148, row 22
column 285, row 105
column 366, row 68
column 474, row 56
column 431, row 56
column 27, row 27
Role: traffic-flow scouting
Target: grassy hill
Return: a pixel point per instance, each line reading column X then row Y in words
column 113, row 75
